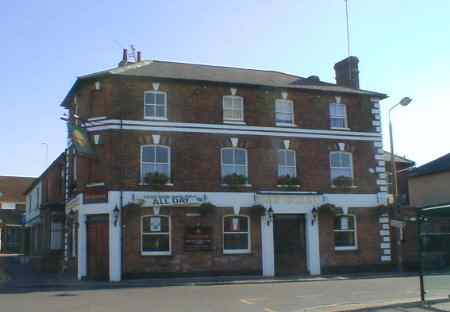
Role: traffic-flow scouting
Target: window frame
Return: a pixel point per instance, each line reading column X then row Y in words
column 56, row 243
column 165, row 105
column 331, row 167
column 286, row 150
column 355, row 233
column 234, row 157
column 169, row 233
column 249, row 241
column 233, row 120
column 282, row 123
column 169, row 160
column 331, row 116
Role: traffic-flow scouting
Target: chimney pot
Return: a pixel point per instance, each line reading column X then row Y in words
column 347, row 72
column 124, row 60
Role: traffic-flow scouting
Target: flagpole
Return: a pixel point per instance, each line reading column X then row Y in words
column 348, row 27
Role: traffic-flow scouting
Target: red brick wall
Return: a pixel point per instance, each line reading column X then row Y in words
column 206, row 262
column 196, row 164
column 368, row 254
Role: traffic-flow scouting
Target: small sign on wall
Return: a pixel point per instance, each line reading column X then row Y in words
column 155, row 224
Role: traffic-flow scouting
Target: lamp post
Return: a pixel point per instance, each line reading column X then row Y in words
column 403, row 102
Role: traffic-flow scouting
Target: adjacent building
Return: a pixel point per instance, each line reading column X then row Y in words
column 210, row 170
column 12, row 208
column 45, row 218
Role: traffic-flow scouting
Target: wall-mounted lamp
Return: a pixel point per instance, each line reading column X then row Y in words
column 116, row 212
column 314, row 212
column 269, row 216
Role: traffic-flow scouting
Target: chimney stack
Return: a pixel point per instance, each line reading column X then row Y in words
column 138, row 56
column 124, row 60
column 347, row 73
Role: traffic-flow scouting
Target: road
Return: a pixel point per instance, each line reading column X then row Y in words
column 279, row 297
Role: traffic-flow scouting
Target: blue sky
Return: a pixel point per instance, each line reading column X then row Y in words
column 403, row 47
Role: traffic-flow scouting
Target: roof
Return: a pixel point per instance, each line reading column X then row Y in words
column 397, row 159
column 13, row 188
column 232, row 75
column 442, row 164
column 36, row 181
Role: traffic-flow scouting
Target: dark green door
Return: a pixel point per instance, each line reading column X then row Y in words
column 290, row 244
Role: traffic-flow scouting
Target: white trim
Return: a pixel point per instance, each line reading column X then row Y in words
column 154, row 125
column 234, row 122
column 97, row 118
column 376, row 123
column 169, row 233
column 249, row 241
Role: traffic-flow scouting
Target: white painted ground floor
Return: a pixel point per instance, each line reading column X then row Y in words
column 275, row 204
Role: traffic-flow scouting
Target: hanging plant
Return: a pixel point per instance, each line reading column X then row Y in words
column 259, row 210
column 343, row 181
column 206, row 208
column 383, row 209
column 156, row 179
column 330, row 208
column 235, row 180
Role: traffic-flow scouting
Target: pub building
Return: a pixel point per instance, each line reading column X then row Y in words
column 178, row 169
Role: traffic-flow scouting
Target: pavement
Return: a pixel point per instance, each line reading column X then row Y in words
column 384, row 293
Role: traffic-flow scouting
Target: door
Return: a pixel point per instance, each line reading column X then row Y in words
column 290, row 244
column 98, row 247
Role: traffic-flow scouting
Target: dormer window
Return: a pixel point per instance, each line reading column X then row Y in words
column 233, row 108
column 155, row 105
column 284, row 112
column 338, row 116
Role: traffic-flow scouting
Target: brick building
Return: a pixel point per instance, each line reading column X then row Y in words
column 45, row 218
column 12, row 208
column 208, row 170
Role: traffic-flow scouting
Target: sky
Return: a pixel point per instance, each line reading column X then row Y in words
column 403, row 47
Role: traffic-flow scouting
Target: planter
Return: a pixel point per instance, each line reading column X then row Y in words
column 156, row 179
column 260, row 210
column 206, row 208
column 235, row 181
column 329, row 208
column 343, row 182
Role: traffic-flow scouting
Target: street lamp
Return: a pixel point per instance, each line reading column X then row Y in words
column 403, row 102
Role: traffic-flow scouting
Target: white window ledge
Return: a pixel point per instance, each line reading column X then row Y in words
column 240, row 185
column 167, row 184
column 347, row 187
column 285, row 124
column 346, row 248
column 235, row 122
column 339, row 128
column 237, row 252
column 284, row 186
column 94, row 184
column 156, row 253
column 156, row 118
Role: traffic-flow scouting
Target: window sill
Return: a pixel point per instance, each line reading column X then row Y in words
column 156, row 118
column 285, row 124
column 338, row 128
column 288, row 186
column 241, row 185
column 344, row 187
column 345, row 248
column 235, row 122
column 146, row 184
column 237, row 252
column 95, row 184
column 162, row 253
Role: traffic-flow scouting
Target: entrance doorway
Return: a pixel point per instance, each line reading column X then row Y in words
column 98, row 247
column 289, row 244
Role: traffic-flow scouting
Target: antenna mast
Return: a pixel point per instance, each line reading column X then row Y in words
column 348, row 27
